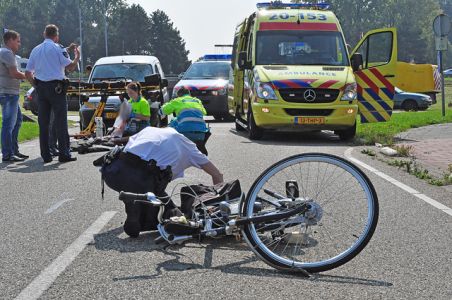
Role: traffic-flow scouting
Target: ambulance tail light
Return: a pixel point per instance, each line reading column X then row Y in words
column 265, row 91
column 349, row 92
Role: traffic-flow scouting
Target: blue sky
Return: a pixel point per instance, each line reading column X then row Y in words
column 203, row 23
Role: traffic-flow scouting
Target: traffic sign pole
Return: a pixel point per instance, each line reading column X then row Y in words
column 441, row 28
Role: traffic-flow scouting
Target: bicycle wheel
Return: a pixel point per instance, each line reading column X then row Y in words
column 341, row 219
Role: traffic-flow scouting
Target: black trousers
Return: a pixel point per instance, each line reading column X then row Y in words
column 49, row 101
column 123, row 175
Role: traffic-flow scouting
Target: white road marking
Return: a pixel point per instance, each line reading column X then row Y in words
column 410, row 190
column 57, row 205
column 41, row 283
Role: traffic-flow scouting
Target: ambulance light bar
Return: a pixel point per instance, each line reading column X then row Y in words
column 217, row 57
column 279, row 4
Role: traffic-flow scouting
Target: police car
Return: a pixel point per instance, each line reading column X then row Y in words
column 208, row 80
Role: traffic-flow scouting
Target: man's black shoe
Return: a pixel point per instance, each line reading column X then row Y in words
column 18, row 154
column 64, row 159
column 47, row 160
column 12, row 158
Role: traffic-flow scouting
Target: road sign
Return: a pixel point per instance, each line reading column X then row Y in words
column 441, row 25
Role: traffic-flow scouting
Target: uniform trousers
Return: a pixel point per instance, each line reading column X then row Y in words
column 131, row 174
column 50, row 100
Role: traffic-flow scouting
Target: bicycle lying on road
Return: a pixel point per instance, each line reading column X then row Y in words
column 306, row 213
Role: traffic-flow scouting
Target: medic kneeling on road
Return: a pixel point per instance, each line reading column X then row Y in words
column 189, row 118
column 150, row 160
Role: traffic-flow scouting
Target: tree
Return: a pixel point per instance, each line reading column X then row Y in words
column 167, row 44
column 412, row 18
column 130, row 32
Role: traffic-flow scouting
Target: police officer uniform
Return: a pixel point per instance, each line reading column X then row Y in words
column 48, row 61
column 149, row 161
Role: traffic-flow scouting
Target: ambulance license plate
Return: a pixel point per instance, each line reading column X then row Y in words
column 309, row 120
column 111, row 115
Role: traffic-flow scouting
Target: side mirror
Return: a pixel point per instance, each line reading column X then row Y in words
column 181, row 75
column 164, row 82
column 356, row 61
column 243, row 62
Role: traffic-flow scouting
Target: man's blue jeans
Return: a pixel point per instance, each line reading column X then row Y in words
column 11, row 122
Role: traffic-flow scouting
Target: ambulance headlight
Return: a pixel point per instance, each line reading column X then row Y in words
column 349, row 92
column 265, row 91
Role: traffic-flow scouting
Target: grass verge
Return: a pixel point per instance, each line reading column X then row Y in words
column 384, row 133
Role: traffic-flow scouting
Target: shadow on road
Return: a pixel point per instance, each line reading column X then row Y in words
column 321, row 138
column 110, row 240
column 30, row 166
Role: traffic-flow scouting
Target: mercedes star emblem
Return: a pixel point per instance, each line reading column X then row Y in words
column 309, row 95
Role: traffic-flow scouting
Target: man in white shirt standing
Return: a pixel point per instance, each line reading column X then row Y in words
column 150, row 160
column 9, row 98
column 46, row 71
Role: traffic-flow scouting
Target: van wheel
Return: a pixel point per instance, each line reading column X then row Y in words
column 346, row 134
column 254, row 132
column 410, row 105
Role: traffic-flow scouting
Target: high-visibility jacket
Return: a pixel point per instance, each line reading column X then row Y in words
column 189, row 114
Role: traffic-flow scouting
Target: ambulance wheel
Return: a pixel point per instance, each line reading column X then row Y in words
column 346, row 134
column 254, row 131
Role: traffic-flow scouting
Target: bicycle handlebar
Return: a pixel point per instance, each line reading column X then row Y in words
column 148, row 197
column 131, row 196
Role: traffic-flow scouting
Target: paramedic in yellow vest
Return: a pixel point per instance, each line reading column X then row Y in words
column 189, row 117
column 140, row 116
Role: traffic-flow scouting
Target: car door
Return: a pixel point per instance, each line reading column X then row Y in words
column 376, row 77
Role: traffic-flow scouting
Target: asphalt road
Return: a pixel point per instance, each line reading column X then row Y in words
column 48, row 209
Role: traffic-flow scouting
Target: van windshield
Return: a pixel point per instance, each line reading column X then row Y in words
column 135, row 72
column 208, row 70
column 300, row 48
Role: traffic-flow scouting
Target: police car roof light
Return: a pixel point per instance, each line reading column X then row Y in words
column 279, row 4
column 217, row 57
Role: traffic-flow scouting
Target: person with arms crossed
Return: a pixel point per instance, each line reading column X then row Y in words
column 9, row 98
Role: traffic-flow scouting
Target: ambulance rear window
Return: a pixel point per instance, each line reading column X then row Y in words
column 300, row 48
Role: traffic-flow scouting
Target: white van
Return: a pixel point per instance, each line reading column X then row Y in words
column 125, row 67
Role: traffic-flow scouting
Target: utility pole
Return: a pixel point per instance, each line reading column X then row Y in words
column 81, row 35
column 105, row 27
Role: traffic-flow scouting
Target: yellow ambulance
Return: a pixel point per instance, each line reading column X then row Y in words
column 292, row 71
